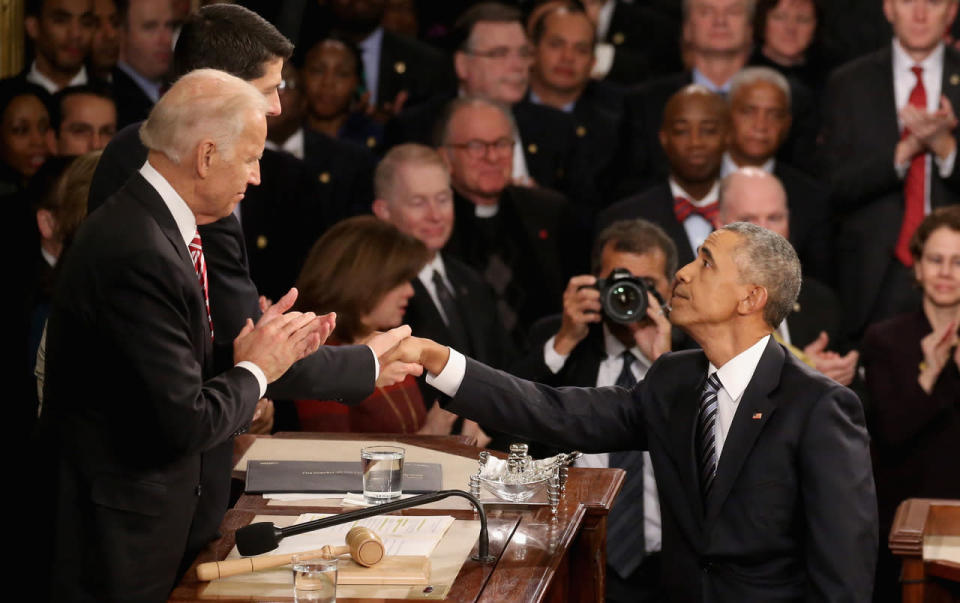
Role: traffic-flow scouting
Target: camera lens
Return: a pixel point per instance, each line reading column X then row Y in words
column 625, row 302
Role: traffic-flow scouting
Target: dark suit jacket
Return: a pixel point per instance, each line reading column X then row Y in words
column 409, row 64
column 549, row 248
column 792, row 513
column 860, row 135
column 811, row 224
column 489, row 342
column 648, row 32
column 656, row 205
column 342, row 372
column 133, row 105
column 134, row 401
column 344, row 175
column 817, row 309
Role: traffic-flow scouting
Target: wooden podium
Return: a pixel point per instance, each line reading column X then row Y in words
column 538, row 557
column 933, row 581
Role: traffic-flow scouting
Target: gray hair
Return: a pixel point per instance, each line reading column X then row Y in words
column 442, row 132
column 203, row 104
column 751, row 9
column 751, row 75
column 765, row 258
column 385, row 176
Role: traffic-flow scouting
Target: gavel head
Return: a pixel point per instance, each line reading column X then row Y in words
column 366, row 548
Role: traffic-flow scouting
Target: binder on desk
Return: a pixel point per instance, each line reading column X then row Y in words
column 332, row 476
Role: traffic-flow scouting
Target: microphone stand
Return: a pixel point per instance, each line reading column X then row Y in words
column 261, row 537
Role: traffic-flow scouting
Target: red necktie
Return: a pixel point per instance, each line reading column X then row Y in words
column 915, row 183
column 683, row 208
column 196, row 254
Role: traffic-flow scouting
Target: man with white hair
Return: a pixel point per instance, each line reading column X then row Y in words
column 753, row 195
column 132, row 403
column 760, row 121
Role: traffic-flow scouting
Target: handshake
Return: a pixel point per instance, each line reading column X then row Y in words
column 282, row 337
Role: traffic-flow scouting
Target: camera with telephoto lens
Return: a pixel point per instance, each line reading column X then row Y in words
column 624, row 296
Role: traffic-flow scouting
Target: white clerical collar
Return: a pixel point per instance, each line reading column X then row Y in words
column 729, row 166
column 738, row 371
column 182, row 215
column 614, row 348
column 485, row 211
column 711, row 197
column 48, row 257
column 35, row 77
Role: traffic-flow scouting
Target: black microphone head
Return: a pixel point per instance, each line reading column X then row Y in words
column 257, row 538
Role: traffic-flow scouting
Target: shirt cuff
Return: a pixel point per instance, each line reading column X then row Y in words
column 901, row 169
column 258, row 373
column 945, row 165
column 449, row 379
column 552, row 358
column 376, row 365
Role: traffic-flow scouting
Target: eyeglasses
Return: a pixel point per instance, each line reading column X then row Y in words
column 500, row 53
column 477, row 149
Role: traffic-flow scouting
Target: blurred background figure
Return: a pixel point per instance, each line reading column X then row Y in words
column 25, row 135
column 787, row 38
column 332, row 77
column 361, row 269
column 83, row 119
column 146, row 52
column 912, row 365
column 105, row 49
column 61, row 32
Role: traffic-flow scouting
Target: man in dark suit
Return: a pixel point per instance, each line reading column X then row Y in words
column 146, row 42
column 563, row 46
column 492, row 61
column 753, row 195
column 210, row 38
column 890, row 148
column 61, row 32
column 641, row 39
column 522, row 240
column 693, row 136
column 759, row 124
column 584, row 347
column 132, row 443
column 763, row 467
column 717, row 38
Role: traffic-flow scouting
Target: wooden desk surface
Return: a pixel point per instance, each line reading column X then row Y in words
column 539, row 557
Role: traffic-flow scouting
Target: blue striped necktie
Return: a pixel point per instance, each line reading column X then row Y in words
column 706, row 434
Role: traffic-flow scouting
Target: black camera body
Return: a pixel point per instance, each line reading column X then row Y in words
column 624, row 296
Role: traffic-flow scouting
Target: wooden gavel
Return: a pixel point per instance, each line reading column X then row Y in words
column 363, row 544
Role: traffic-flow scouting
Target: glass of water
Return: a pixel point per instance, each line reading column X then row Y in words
column 382, row 473
column 314, row 578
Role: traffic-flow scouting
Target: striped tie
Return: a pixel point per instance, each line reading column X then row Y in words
column 706, row 434
column 196, row 254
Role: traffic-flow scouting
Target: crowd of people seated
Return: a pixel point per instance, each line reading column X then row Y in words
column 451, row 166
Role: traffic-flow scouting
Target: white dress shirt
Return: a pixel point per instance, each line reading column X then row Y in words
column 35, row 77
column 292, row 145
column 426, row 279
column 904, row 82
column 187, row 226
column 696, row 226
column 370, row 49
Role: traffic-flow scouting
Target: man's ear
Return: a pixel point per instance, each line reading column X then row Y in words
column 381, row 209
column 46, row 224
column 206, row 153
column 460, row 59
column 755, row 301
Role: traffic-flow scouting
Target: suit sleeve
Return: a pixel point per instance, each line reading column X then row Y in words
column 342, row 373
column 588, row 419
column 839, row 499
column 145, row 312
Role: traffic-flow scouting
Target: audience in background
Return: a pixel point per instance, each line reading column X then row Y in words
column 61, row 32
column 146, row 50
column 105, row 49
column 84, row 119
column 25, row 135
column 787, row 38
column 912, row 365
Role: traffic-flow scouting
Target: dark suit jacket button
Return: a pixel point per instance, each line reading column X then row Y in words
column 706, row 566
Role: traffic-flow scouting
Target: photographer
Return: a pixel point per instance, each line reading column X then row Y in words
column 585, row 346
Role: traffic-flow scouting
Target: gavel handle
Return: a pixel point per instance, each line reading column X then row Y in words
column 232, row 567
column 334, row 551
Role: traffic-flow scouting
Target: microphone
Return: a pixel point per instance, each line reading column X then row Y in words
column 261, row 537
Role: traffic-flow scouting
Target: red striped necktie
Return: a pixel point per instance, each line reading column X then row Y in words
column 915, row 183
column 196, row 254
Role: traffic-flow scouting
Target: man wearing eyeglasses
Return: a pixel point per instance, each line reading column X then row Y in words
column 521, row 239
column 493, row 61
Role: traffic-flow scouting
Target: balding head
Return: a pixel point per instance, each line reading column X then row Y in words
column 755, row 196
column 206, row 136
column 693, row 134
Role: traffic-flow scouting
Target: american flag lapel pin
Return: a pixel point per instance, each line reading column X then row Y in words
column 757, row 416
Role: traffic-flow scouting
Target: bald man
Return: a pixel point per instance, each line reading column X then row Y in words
column 753, row 195
column 693, row 136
